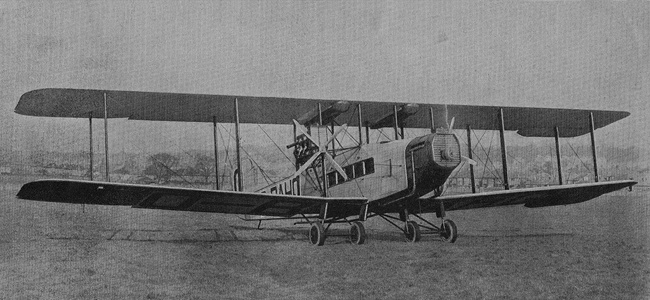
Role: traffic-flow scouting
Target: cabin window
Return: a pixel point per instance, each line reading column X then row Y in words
column 358, row 169
column 332, row 178
column 369, row 165
column 353, row 171
column 339, row 177
column 349, row 171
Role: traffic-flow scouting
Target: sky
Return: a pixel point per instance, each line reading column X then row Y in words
column 541, row 54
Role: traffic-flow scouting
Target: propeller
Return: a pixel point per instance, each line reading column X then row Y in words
column 450, row 126
column 468, row 160
column 322, row 150
column 450, row 129
column 446, row 117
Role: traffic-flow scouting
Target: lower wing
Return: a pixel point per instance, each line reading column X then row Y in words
column 185, row 199
column 529, row 197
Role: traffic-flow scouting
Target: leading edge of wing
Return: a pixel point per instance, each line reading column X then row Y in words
column 158, row 106
column 173, row 198
column 531, row 197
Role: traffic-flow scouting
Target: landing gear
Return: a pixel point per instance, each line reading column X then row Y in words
column 317, row 234
column 357, row 233
column 412, row 232
column 320, row 226
column 448, row 231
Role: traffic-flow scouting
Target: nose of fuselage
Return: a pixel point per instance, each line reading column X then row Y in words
column 445, row 150
column 434, row 157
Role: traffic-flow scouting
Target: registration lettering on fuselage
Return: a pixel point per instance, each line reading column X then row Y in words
column 290, row 186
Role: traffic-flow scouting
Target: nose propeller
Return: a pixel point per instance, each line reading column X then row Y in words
column 448, row 154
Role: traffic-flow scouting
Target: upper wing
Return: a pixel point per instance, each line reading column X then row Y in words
column 158, row 197
column 529, row 197
column 76, row 103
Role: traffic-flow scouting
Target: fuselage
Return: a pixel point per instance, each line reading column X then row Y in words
column 396, row 169
column 382, row 172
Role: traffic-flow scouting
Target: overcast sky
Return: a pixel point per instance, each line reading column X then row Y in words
column 541, row 54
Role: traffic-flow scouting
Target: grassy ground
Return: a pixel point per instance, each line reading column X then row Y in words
column 596, row 250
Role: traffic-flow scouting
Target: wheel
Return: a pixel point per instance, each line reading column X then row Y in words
column 317, row 234
column 448, row 231
column 357, row 233
column 412, row 232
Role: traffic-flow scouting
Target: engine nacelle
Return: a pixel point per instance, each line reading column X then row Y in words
column 433, row 158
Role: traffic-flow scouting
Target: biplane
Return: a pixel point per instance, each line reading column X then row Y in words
column 398, row 180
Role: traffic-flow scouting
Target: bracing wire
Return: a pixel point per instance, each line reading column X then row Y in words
column 578, row 156
column 264, row 175
column 276, row 145
column 487, row 153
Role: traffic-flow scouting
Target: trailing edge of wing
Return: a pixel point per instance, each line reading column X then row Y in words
column 529, row 197
column 152, row 106
column 184, row 199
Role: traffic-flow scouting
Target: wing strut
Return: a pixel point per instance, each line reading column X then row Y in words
column 504, row 152
column 469, row 155
column 558, row 154
column 360, row 124
column 323, row 169
column 433, row 124
column 108, row 178
column 395, row 122
column 593, row 144
column 237, row 140
column 90, row 138
column 216, row 153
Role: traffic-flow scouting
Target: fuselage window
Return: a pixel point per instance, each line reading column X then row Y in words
column 353, row 171
column 339, row 177
column 349, row 171
column 358, row 169
column 332, row 178
column 369, row 165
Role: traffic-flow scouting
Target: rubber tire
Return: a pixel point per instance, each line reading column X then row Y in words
column 357, row 233
column 317, row 234
column 448, row 231
column 412, row 232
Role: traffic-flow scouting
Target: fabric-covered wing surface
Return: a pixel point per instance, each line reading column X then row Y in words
column 78, row 103
column 169, row 198
column 529, row 197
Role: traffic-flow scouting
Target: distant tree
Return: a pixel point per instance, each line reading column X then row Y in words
column 161, row 167
column 37, row 159
column 129, row 166
column 547, row 168
column 622, row 156
column 203, row 166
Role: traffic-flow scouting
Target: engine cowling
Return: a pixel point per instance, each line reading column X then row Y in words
column 431, row 158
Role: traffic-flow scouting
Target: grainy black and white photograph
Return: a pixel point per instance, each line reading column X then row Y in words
column 324, row 150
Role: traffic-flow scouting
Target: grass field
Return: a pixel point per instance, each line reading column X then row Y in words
column 595, row 250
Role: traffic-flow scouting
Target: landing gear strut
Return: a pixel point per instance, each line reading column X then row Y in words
column 357, row 233
column 413, row 231
column 448, row 231
column 318, row 230
column 317, row 234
